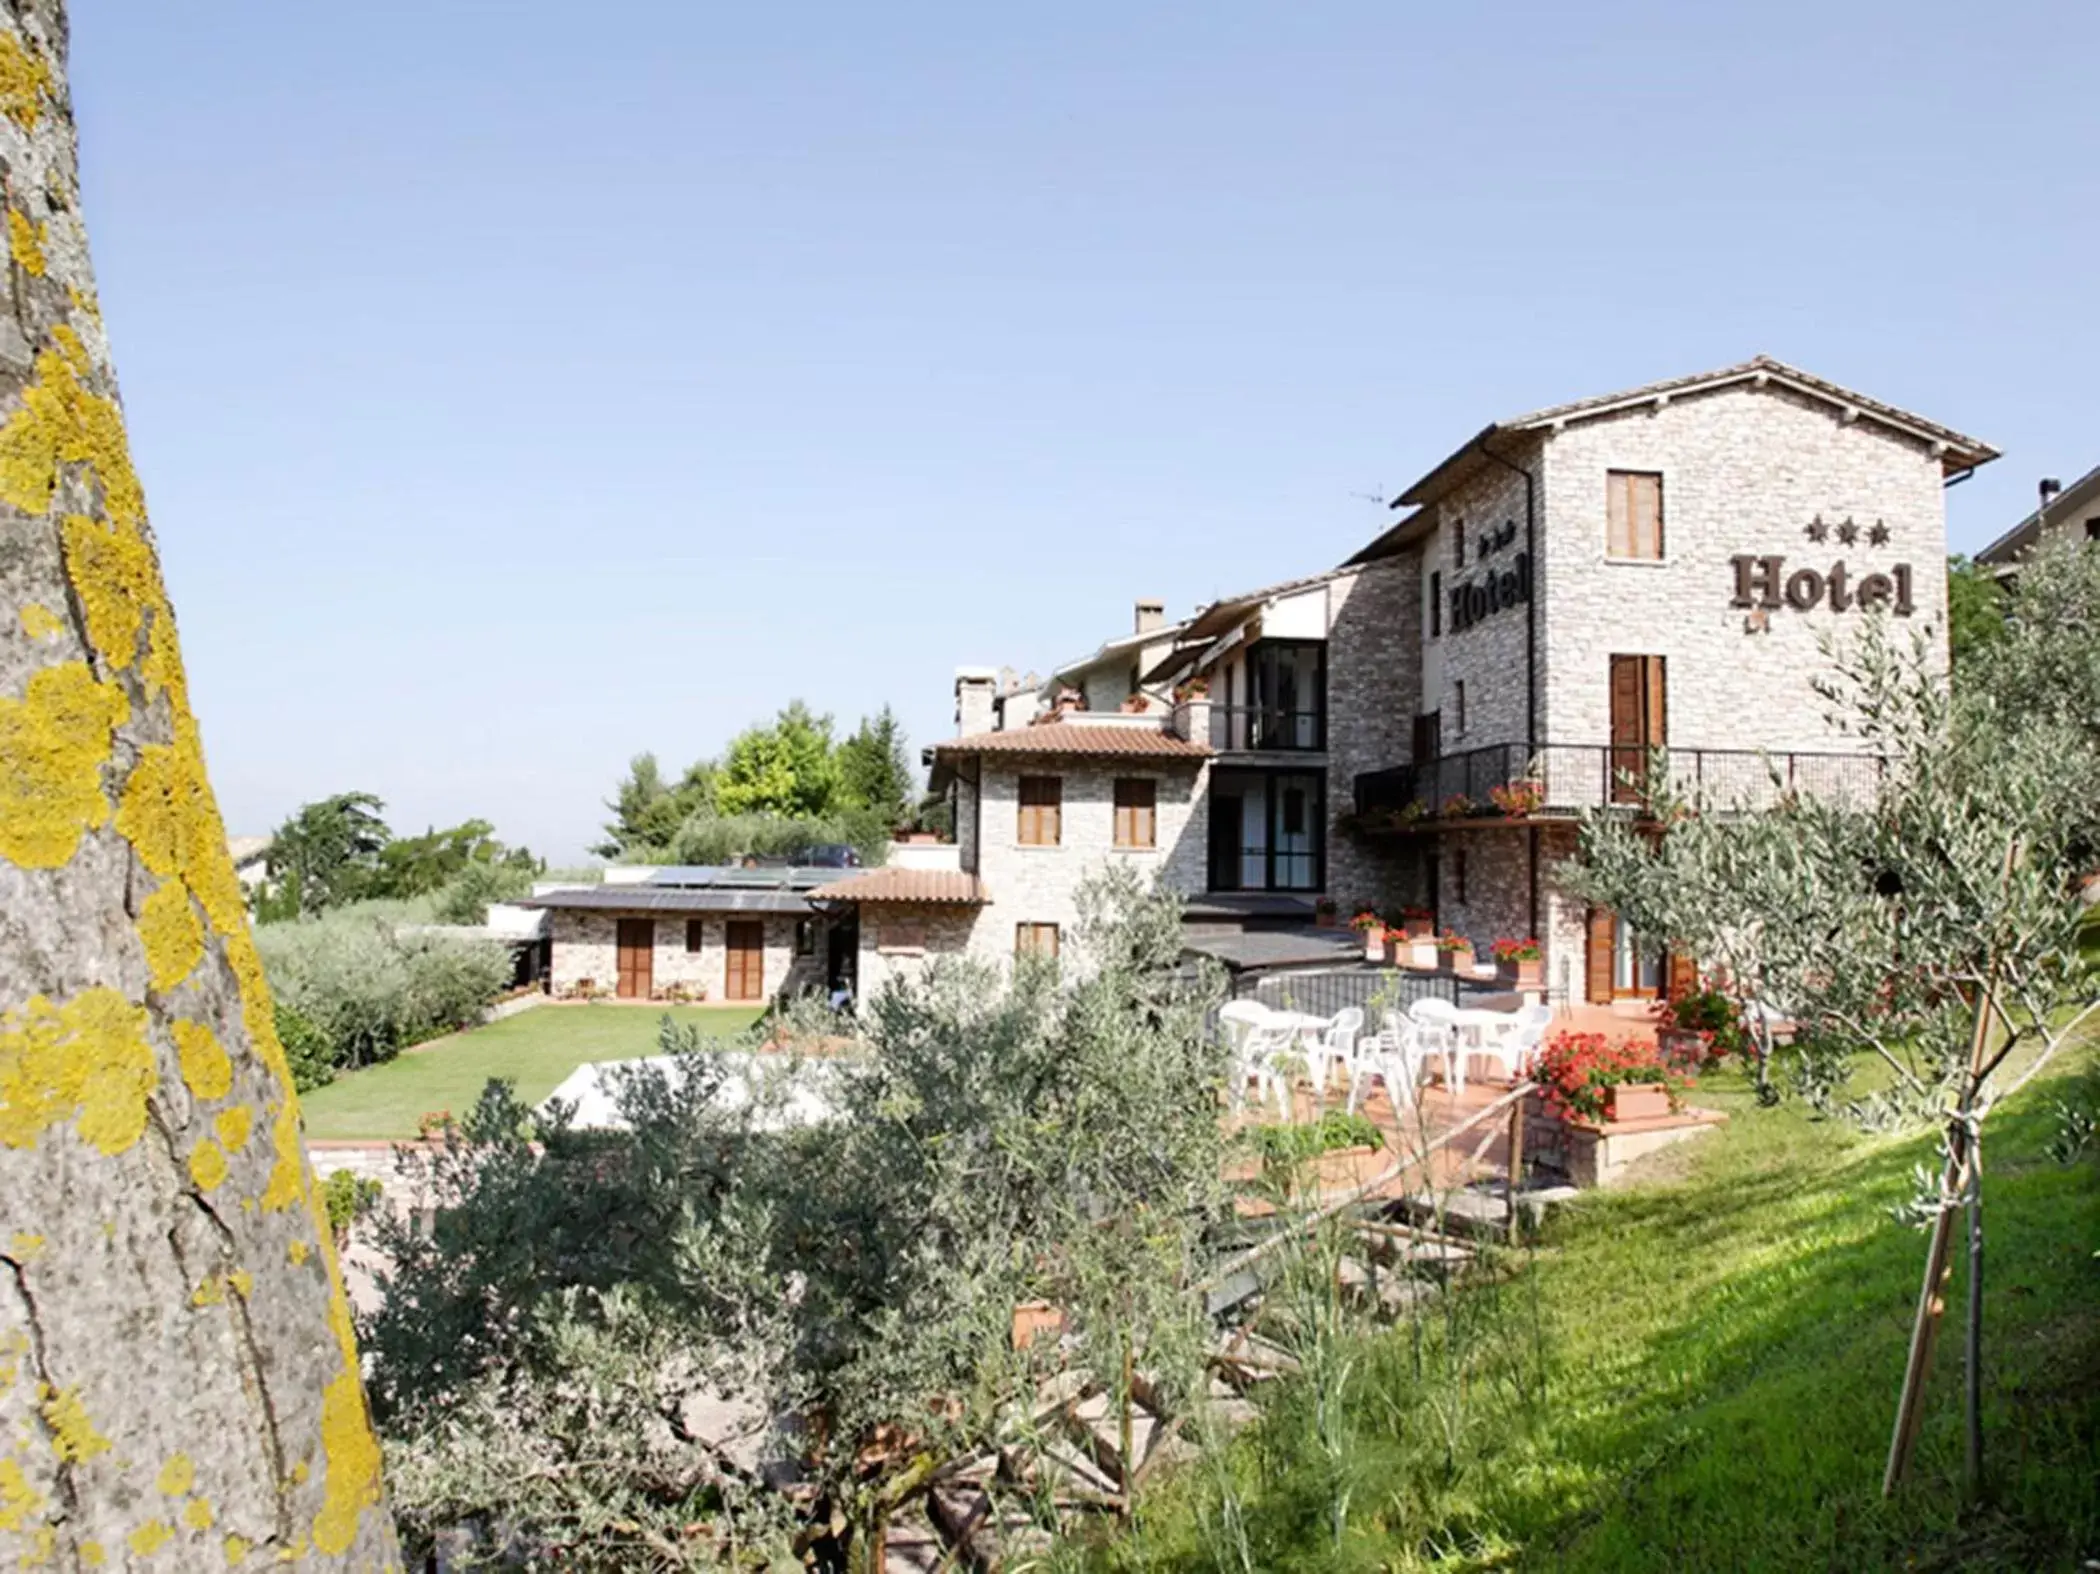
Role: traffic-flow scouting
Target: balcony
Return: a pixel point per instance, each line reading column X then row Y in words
column 1516, row 781
column 1264, row 729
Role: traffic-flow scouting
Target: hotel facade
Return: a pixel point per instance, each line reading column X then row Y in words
column 1420, row 726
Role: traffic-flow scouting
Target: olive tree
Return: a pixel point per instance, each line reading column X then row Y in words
column 1933, row 924
column 179, row 1384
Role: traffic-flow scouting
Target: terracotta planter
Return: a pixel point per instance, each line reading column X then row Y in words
column 1526, row 975
column 1036, row 1319
column 1423, row 954
column 1416, row 928
column 1636, row 1101
column 1460, row 961
column 1327, row 919
column 1389, row 953
column 1374, row 946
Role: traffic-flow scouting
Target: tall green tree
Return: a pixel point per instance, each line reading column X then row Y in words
column 1975, row 613
column 875, row 768
column 327, row 853
column 787, row 768
column 648, row 809
column 410, row 866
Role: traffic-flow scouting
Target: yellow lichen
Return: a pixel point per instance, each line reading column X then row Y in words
column 87, row 1058
column 40, row 622
column 212, row 1292
column 351, row 1483
column 25, row 1246
column 113, row 570
column 73, row 1435
column 25, row 241
column 150, row 1537
column 168, row 815
column 25, row 80
column 198, row 1515
column 92, row 1555
column 208, row 1165
column 236, row 1550
column 62, row 422
column 171, row 934
column 43, row 1547
column 206, row 1070
column 298, row 1252
column 54, row 742
column 18, row 1499
column 177, row 1476
column 84, row 301
column 243, row 1282
column 300, row 1472
column 233, row 1126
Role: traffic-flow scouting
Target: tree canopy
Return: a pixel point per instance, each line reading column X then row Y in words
column 338, row 850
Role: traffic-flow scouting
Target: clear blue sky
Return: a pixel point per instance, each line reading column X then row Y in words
column 519, row 386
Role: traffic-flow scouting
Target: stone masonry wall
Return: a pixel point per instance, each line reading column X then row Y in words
column 1497, row 900
column 1744, row 472
column 901, row 939
column 586, row 946
column 1487, row 657
column 1041, row 884
column 1374, row 680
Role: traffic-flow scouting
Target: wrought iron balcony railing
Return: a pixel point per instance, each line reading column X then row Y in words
column 1566, row 778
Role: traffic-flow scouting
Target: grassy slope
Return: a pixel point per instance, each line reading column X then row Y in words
column 535, row 1049
column 1720, row 1357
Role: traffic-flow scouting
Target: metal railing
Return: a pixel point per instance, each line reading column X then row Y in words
column 1565, row 778
column 1267, row 728
column 1323, row 992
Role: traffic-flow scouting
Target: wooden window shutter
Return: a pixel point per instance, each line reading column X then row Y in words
column 1654, row 706
column 1618, row 515
column 1647, row 500
column 1597, row 956
column 695, row 935
column 1633, row 519
column 1136, row 811
column 1683, row 976
column 1041, row 798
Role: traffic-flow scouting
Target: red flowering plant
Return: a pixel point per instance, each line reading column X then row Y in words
column 1517, row 798
column 1366, row 921
column 1456, row 806
column 1575, row 1071
column 1525, row 950
column 1452, row 940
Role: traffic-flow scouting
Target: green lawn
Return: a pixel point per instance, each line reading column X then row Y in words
column 1699, row 1374
column 535, row 1049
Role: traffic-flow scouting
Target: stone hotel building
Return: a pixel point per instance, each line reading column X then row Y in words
column 1563, row 593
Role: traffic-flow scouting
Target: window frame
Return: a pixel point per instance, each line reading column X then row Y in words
column 695, row 936
column 1618, row 483
column 1436, row 603
column 805, row 937
column 1127, row 822
column 1028, row 941
column 1039, row 803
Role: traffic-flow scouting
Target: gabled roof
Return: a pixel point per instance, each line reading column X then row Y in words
column 2066, row 504
column 1217, row 619
column 1110, row 649
column 1956, row 451
column 935, row 887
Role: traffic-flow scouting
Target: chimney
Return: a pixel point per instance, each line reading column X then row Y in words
column 974, row 688
column 1150, row 615
column 2049, row 490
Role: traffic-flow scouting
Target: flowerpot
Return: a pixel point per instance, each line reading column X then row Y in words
column 1389, row 952
column 1374, row 946
column 1417, row 928
column 1423, row 954
column 1036, row 1319
column 1324, row 920
column 1460, row 961
column 1526, row 975
column 1636, row 1101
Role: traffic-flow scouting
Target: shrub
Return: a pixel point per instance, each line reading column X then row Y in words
column 349, row 1198
column 309, row 1050
column 371, row 986
column 1709, row 1012
column 465, row 898
column 713, row 839
column 1293, row 1144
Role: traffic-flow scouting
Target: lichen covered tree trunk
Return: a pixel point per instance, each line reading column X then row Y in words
column 179, row 1386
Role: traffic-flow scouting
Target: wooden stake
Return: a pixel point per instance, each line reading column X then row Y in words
column 1516, row 1168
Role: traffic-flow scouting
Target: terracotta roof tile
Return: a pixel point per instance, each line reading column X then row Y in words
column 946, row 887
column 1078, row 738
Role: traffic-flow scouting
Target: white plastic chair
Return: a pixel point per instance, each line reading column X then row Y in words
column 1265, row 1059
column 1516, row 1044
column 1237, row 1018
column 1385, row 1057
column 1336, row 1046
column 1436, row 1024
